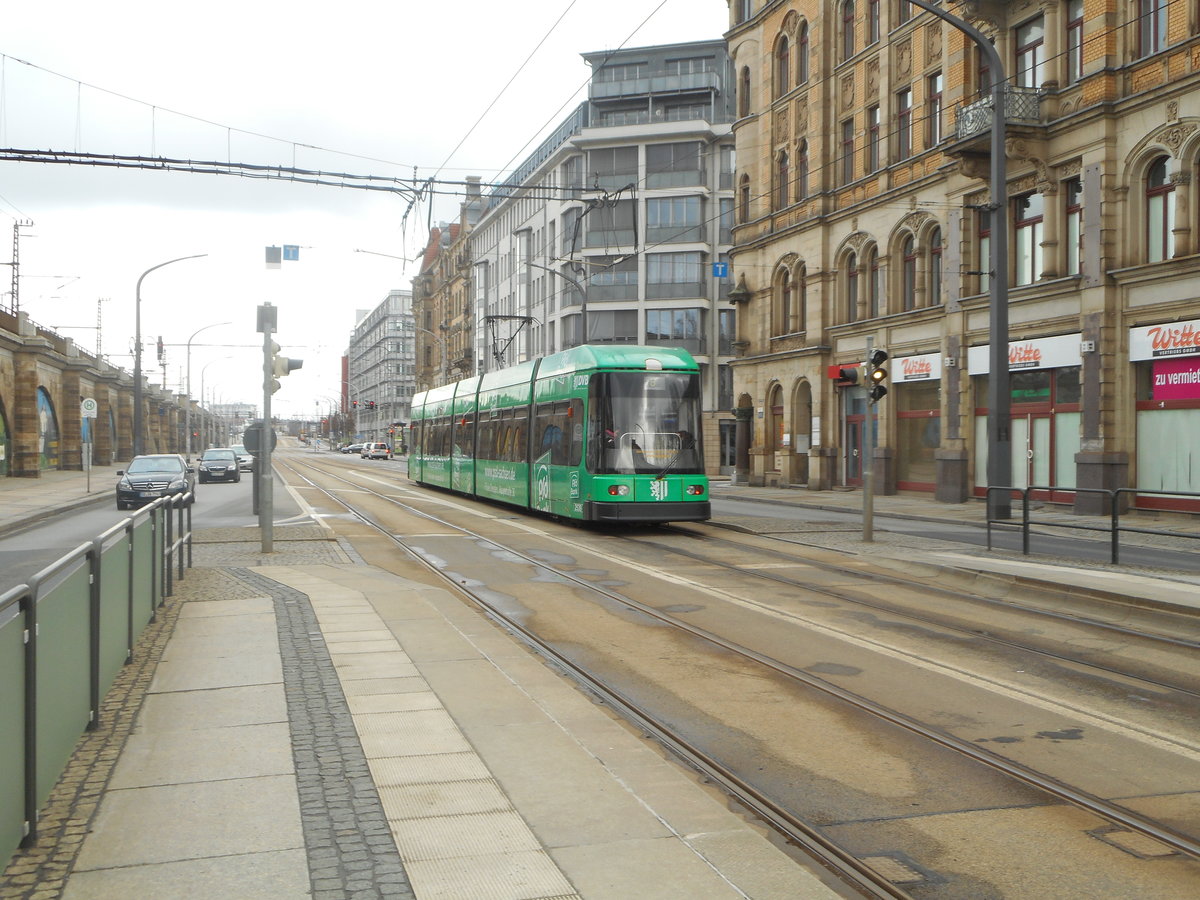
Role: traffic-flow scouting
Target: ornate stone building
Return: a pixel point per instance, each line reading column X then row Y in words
column 862, row 218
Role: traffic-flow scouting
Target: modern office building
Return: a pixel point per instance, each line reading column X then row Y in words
column 381, row 370
column 617, row 220
column 863, row 219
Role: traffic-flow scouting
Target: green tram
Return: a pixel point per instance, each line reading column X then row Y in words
column 602, row 433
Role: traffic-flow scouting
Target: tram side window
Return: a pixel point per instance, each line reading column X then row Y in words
column 519, row 436
column 560, row 432
column 440, row 437
column 464, row 436
column 489, row 427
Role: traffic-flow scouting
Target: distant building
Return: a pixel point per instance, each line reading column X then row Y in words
column 619, row 217
column 381, row 370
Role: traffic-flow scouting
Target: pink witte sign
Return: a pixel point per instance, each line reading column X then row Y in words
column 1177, row 379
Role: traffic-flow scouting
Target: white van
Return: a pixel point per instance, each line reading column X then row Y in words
column 376, row 450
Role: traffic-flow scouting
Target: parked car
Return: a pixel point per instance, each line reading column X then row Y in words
column 352, row 448
column 219, row 464
column 245, row 459
column 154, row 475
column 376, row 450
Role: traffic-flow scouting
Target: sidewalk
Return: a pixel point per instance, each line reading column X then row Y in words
column 309, row 725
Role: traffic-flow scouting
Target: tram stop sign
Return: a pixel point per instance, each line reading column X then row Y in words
column 254, row 439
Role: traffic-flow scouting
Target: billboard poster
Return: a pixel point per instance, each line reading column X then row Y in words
column 1177, row 378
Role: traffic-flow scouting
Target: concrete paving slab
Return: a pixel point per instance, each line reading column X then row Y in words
column 278, row 875
column 412, row 733
column 147, row 825
column 255, row 623
column 450, row 837
column 178, row 757
column 511, row 876
column 352, row 666
column 757, row 867
column 401, row 770
column 385, row 703
column 255, row 704
column 201, row 673
column 366, row 687
column 200, row 609
column 480, row 693
column 643, row 872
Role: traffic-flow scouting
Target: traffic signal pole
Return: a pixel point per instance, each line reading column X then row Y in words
column 266, row 510
column 869, row 454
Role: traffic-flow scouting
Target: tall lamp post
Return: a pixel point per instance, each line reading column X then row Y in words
column 204, row 369
column 999, row 424
column 187, row 409
column 137, row 352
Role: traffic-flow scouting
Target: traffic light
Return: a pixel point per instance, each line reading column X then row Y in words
column 845, row 376
column 280, row 366
column 354, row 403
column 878, row 374
column 370, row 404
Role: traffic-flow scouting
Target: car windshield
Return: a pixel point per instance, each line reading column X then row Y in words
column 210, row 455
column 241, row 451
column 154, row 464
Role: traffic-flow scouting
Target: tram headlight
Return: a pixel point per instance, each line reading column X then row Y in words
column 695, row 490
column 618, row 490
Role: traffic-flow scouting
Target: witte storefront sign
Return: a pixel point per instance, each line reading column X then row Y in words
column 1039, row 353
column 926, row 367
column 1161, row 341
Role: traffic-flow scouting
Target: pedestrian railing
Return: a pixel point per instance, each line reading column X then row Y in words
column 64, row 637
column 1114, row 528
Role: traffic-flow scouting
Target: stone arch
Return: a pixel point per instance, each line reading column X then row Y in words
column 49, row 456
column 801, row 416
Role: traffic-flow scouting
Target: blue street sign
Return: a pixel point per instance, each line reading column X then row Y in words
column 719, row 270
column 291, row 251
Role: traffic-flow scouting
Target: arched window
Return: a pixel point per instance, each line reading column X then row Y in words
column 851, row 288
column 874, row 289
column 1160, row 212
column 908, row 274
column 935, row 267
column 783, row 65
column 847, row 29
column 783, row 320
column 744, row 93
column 782, row 173
column 744, row 199
column 802, row 54
column 802, row 171
column 801, row 313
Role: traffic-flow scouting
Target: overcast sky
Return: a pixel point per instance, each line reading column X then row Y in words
column 375, row 87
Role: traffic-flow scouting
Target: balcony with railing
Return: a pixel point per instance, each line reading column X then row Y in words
column 973, row 121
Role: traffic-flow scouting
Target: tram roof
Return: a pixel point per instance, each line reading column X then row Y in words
column 634, row 357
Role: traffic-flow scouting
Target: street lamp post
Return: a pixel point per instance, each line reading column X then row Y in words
column 187, row 409
column 582, row 296
column 138, row 444
column 999, row 425
column 202, row 371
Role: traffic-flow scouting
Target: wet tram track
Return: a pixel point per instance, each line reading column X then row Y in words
column 915, row 760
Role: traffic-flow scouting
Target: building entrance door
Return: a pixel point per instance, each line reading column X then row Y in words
column 854, row 449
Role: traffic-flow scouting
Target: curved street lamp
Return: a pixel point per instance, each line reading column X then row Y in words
column 187, row 408
column 137, row 352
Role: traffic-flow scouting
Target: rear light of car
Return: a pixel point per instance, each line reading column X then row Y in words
column 695, row 490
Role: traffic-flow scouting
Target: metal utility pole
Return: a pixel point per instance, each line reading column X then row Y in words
column 869, row 454
column 267, row 320
column 999, row 465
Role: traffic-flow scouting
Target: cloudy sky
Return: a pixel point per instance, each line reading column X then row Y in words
column 376, row 87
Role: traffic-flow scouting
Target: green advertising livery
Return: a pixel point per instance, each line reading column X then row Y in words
column 603, row 433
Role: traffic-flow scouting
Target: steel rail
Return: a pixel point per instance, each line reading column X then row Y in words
column 1084, row 800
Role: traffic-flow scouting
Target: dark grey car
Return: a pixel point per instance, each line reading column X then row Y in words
column 154, row 475
column 219, row 464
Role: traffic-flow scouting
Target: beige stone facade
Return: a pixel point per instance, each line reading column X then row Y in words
column 862, row 157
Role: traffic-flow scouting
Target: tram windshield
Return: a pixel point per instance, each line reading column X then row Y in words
column 644, row 423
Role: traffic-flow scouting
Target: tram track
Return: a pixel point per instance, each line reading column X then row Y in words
column 793, row 828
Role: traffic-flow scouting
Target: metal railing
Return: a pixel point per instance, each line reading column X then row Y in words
column 64, row 637
column 1114, row 528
